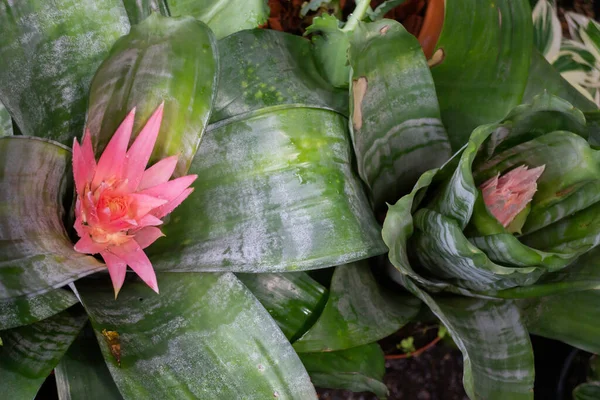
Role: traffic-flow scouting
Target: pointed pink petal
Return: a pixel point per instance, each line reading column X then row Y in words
column 134, row 256
column 144, row 203
column 173, row 204
column 149, row 220
column 87, row 246
column 158, row 173
column 112, row 159
column 87, row 151
column 117, row 269
column 141, row 149
column 79, row 172
column 171, row 189
column 146, row 236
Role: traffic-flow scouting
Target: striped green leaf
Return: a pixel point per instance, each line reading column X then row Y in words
column 294, row 300
column 48, row 54
column 358, row 312
column 223, row 17
column 275, row 190
column 139, row 10
column 25, row 310
column 547, row 31
column 206, row 336
column 157, row 62
column 29, row 353
column 82, row 372
column 396, row 128
column 36, row 254
column 359, row 369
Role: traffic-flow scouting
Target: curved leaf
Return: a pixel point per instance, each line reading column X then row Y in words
column 82, row 372
column 158, row 62
column 224, row 17
column 205, row 336
column 587, row 391
column 264, row 69
column 569, row 317
column 359, row 369
column 547, row 32
column 29, row 353
column 25, row 310
column 35, row 252
column 397, row 131
column 486, row 48
column 139, row 10
column 293, row 299
column 357, row 312
column 497, row 353
column 5, row 122
column 48, row 55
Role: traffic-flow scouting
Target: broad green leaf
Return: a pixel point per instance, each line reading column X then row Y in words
column 35, row 252
column 29, row 353
column 497, row 353
column 543, row 78
column 486, row 47
column 206, row 336
column 396, row 127
column 262, row 69
column 294, row 300
column 25, row 310
column 330, row 49
column 547, row 32
column 358, row 312
column 157, row 62
column 139, row 10
column 5, row 122
column 82, row 373
column 224, row 17
column 275, row 190
column 48, row 55
column 359, row 369
column 587, row 391
column 569, row 317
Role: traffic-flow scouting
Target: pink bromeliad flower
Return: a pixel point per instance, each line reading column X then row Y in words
column 507, row 195
column 120, row 203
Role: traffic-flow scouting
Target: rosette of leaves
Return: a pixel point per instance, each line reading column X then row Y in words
column 268, row 137
column 482, row 279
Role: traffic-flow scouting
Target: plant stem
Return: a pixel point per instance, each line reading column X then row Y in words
column 359, row 13
column 414, row 353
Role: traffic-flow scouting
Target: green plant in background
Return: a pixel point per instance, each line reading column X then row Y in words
column 591, row 389
column 274, row 126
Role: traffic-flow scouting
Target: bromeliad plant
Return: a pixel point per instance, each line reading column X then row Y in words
column 498, row 240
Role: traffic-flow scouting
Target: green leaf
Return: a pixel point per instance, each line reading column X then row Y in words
column 275, row 190
column 587, row 391
column 158, row 62
column 5, row 122
column 139, row 10
column 330, row 49
column 315, row 5
column 35, row 252
column 264, row 69
column 48, row 55
column 497, row 353
column 224, row 17
column 25, row 310
column 82, row 372
column 383, row 8
column 29, row 353
column 397, row 131
column 547, row 31
column 359, row 369
column 294, row 300
column 486, row 48
column 569, row 317
column 206, row 336
column 357, row 312
column 543, row 78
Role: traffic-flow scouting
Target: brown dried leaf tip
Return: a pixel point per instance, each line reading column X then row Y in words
column 114, row 344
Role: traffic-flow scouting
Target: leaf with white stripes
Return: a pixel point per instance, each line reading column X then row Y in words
column 547, row 32
column 395, row 119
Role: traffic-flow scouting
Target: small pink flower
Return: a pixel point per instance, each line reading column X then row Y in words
column 120, row 203
column 507, row 195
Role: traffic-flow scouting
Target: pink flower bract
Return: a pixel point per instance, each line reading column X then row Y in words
column 507, row 195
column 120, row 203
